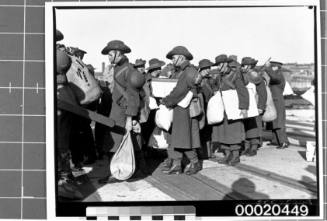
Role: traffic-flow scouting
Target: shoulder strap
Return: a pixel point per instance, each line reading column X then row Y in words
column 118, row 85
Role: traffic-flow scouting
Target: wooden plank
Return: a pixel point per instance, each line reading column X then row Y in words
column 293, row 183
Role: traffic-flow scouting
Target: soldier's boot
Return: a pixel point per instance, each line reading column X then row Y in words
column 253, row 150
column 226, row 158
column 167, row 164
column 247, row 148
column 235, row 159
column 193, row 168
column 176, row 168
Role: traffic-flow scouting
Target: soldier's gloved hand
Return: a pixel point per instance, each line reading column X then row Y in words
column 244, row 113
column 136, row 127
column 128, row 125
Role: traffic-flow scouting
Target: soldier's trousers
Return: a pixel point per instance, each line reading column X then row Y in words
column 252, row 141
column 177, row 154
column 231, row 147
column 64, row 127
column 280, row 135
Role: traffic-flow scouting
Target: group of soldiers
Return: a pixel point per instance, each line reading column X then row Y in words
column 126, row 92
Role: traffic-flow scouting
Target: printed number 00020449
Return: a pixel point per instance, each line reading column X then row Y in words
column 271, row 210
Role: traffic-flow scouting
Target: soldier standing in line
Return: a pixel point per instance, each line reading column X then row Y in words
column 125, row 106
column 140, row 65
column 185, row 137
column 207, row 92
column 230, row 133
column 67, row 188
column 153, row 71
column 253, row 125
column 277, row 85
column 82, row 142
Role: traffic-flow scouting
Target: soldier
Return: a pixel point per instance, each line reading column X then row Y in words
column 66, row 185
column 207, row 92
column 82, row 142
column 277, row 85
column 185, row 136
column 153, row 71
column 230, row 133
column 204, row 69
column 140, row 65
column 253, row 126
column 125, row 105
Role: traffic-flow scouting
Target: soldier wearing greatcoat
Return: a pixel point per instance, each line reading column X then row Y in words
column 253, row 125
column 230, row 133
column 185, row 137
column 277, row 84
column 126, row 84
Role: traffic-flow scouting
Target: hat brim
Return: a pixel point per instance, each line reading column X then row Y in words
column 246, row 63
column 156, row 65
column 206, row 66
column 136, row 65
column 276, row 63
column 170, row 55
column 125, row 49
column 227, row 60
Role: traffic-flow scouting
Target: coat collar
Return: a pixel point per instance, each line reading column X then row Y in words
column 184, row 65
column 123, row 61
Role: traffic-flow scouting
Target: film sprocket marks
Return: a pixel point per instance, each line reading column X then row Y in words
column 238, row 82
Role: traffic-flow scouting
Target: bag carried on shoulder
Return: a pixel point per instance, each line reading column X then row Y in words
column 215, row 109
column 83, row 83
column 231, row 103
column 186, row 100
column 195, row 107
column 270, row 113
column 122, row 165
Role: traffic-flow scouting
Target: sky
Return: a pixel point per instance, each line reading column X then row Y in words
column 284, row 34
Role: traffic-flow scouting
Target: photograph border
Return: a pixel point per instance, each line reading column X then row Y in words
column 51, row 96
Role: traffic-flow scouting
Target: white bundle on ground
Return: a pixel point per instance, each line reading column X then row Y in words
column 215, row 109
column 122, row 165
column 164, row 117
column 85, row 86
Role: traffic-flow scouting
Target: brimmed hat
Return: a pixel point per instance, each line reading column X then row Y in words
column 179, row 50
column 59, row 35
column 74, row 50
column 233, row 57
column 139, row 63
column 204, row 63
column 247, row 61
column 116, row 45
column 276, row 63
column 221, row 59
column 234, row 64
column 155, row 63
column 254, row 62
